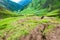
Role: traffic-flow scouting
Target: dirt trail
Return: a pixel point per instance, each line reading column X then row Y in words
column 54, row 34
column 37, row 33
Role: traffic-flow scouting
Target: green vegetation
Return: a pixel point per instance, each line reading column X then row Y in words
column 15, row 24
column 18, row 29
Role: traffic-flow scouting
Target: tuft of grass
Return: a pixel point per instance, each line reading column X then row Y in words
column 48, row 28
column 52, row 13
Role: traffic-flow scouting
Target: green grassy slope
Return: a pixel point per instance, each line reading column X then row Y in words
column 16, row 27
column 15, row 24
column 11, row 28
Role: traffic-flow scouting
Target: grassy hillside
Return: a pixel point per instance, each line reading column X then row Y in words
column 15, row 24
column 13, row 27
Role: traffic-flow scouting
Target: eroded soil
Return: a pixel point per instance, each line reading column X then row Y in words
column 37, row 33
column 54, row 34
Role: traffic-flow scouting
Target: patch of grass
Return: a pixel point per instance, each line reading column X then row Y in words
column 31, row 11
column 14, row 29
column 4, row 13
column 48, row 28
column 25, row 28
column 52, row 13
